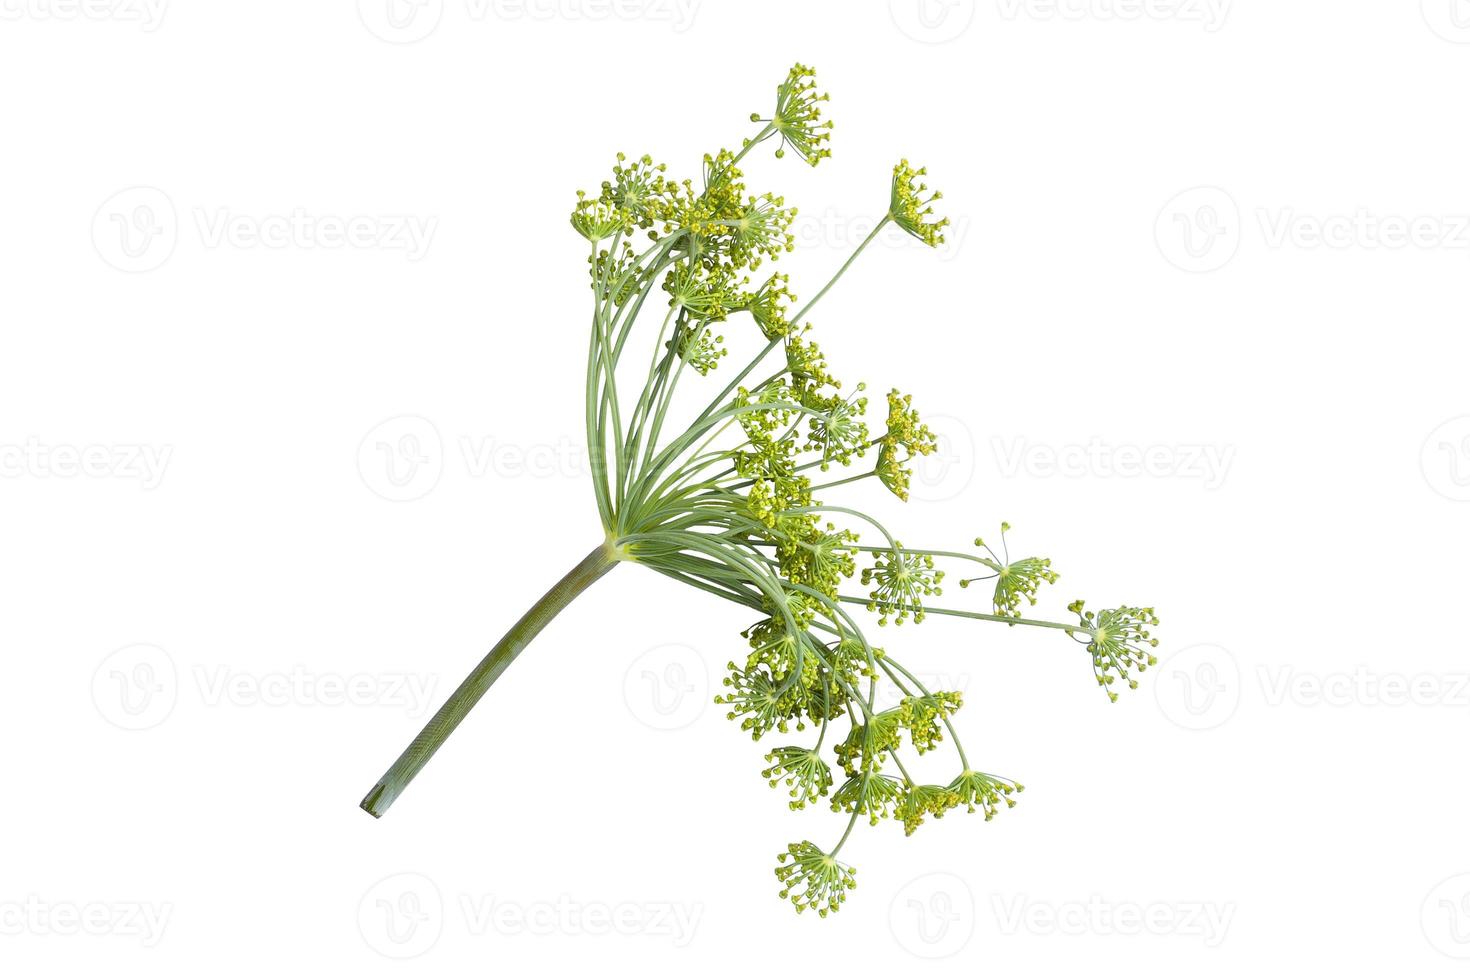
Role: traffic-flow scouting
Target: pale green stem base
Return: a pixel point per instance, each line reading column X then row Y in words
column 469, row 692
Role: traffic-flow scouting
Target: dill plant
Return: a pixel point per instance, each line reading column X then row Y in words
column 734, row 502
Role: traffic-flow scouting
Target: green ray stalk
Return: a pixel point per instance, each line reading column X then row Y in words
column 726, row 501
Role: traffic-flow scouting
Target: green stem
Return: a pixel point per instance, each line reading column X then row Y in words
column 990, row 618
column 769, row 128
column 845, row 266
column 851, row 821
column 597, row 564
column 844, row 480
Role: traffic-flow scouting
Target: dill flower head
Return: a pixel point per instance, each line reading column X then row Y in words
column 893, row 470
column 1117, row 638
column 1015, row 581
column 923, row 800
column 870, row 794
column 767, row 307
column 781, row 641
column 1018, row 580
column 922, row 716
column 911, row 210
column 838, row 431
column 700, row 347
column 803, row 770
column 905, row 428
column 901, row 580
column 596, row 219
column 821, row 559
column 757, row 700
column 985, row 791
column 906, row 436
column 807, row 367
column 706, row 293
column 868, row 746
column 813, row 879
column 638, row 190
column 761, row 228
column 798, row 116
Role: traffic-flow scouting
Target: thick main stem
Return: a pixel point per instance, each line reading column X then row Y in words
column 597, row 564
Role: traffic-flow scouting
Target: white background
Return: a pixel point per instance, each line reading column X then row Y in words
column 1229, row 239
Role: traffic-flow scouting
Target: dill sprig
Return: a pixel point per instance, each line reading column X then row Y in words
column 727, row 502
